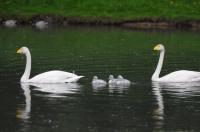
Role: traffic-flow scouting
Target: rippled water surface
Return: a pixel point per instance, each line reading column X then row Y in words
column 101, row 51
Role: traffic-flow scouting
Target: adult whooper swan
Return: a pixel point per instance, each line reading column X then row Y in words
column 177, row 76
column 54, row 76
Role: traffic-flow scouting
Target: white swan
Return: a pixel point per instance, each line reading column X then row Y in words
column 122, row 81
column 177, row 76
column 10, row 23
column 54, row 76
column 41, row 24
column 96, row 81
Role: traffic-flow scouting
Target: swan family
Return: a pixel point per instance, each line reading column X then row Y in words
column 113, row 82
column 57, row 76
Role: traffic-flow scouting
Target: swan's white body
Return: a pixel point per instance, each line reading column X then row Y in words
column 10, row 23
column 122, row 81
column 112, row 80
column 180, row 76
column 54, row 76
column 177, row 76
column 41, row 24
column 96, row 81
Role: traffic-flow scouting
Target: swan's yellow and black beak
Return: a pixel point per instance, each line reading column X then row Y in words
column 157, row 47
column 18, row 51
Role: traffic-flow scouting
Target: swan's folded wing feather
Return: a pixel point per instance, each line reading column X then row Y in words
column 52, row 77
column 73, row 79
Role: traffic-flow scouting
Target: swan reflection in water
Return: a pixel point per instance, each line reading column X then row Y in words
column 98, row 86
column 112, row 88
column 24, row 113
column 158, row 113
column 180, row 89
column 177, row 90
column 57, row 89
column 118, row 88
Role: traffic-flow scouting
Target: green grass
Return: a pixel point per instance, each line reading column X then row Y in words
column 113, row 10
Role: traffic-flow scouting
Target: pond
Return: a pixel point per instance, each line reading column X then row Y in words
column 101, row 51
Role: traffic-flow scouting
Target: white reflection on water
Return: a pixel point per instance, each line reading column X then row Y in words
column 158, row 113
column 64, row 88
column 180, row 89
column 24, row 113
column 177, row 90
column 118, row 88
column 98, row 86
column 113, row 88
column 54, row 89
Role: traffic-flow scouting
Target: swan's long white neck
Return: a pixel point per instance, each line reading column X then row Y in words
column 156, row 74
column 27, row 71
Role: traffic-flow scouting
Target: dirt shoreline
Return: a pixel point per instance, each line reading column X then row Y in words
column 147, row 23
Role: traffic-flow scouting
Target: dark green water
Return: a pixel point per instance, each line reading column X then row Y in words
column 101, row 51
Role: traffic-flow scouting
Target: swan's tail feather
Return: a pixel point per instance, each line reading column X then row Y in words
column 74, row 79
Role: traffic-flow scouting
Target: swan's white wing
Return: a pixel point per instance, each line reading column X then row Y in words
column 53, row 77
column 181, row 76
column 73, row 79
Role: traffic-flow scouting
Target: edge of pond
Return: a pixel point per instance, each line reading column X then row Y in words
column 145, row 23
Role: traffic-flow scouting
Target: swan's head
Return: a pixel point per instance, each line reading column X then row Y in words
column 95, row 78
column 159, row 47
column 120, row 77
column 22, row 50
column 111, row 77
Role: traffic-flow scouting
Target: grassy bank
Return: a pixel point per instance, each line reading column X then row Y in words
column 109, row 10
